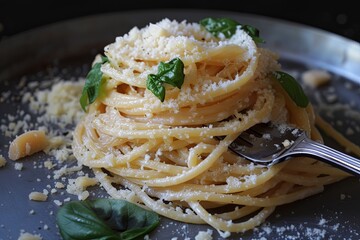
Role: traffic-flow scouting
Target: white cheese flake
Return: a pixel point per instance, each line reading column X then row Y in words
column 37, row 196
column 316, row 77
column 2, row 161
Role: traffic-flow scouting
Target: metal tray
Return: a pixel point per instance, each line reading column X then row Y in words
column 67, row 49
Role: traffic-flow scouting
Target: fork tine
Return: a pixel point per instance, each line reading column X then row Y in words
column 261, row 143
column 285, row 141
column 254, row 132
column 243, row 140
column 261, row 128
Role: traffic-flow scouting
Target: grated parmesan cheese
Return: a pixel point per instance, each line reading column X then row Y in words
column 38, row 196
column 2, row 161
column 78, row 186
column 29, row 236
column 27, row 143
column 59, row 185
column 58, row 202
column 224, row 234
column 204, row 235
column 315, row 77
column 48, row 164
column 18, row 166
column 287, row 143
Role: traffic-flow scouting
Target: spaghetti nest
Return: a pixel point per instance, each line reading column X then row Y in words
column 165, row 155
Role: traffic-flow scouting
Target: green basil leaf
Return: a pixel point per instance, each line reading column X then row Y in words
column 154, row 84
column 227, row 27
column 254, row 33
column 105, row 219
column 171, row 73
column 217, row 26
column 293, row 88
column 104, row 59
column 93, row 83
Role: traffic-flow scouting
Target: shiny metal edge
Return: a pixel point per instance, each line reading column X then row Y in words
column 293, row 41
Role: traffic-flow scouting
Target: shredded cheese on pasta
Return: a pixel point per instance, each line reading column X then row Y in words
column 164, row 155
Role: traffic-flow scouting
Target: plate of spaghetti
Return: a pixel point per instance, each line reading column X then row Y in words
column 131, row 109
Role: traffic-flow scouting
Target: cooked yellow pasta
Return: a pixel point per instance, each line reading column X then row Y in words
column 165, row 155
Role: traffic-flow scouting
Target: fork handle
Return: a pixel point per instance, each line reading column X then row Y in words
column 327, row 154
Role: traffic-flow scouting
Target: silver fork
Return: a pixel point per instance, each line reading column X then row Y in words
column 268, row 144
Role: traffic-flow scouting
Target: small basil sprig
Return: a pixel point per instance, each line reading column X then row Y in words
column 253, row 32
column 171, row 73
column 92, row 84
column 227, row 27
column 293, row 88
column 217, row 26
column 106, row 219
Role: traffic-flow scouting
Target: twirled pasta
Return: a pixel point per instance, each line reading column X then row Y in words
column 164, row 155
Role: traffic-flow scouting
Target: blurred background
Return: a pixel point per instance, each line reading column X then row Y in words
column 341, row 18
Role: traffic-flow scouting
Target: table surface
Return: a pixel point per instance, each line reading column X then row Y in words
column 343, row 19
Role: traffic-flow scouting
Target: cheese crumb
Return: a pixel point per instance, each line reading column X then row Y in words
column 18, row 166
column 78, row 186
column 2, row 161
column 287, row 143
column 37, row 196
column 29, row 236
column 58, row 203
column 27, row 143
column 48, row 164
column 316, row 77
column 204, row 235
column 224, row 234
column 59, row 185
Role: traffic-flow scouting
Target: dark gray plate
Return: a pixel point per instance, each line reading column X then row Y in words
column 66, row 49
